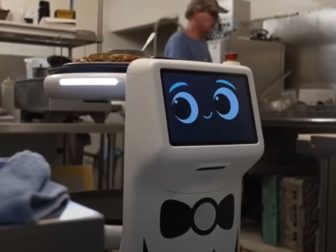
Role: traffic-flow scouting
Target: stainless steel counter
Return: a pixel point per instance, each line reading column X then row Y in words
column 18, row 127
column 64, row 233
column 303, row 116
column 300, row 122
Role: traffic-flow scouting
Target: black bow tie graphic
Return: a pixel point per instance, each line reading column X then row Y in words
column 176, row 217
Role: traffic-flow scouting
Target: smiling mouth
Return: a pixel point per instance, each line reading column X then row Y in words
column 211, row 168
column 208, row 117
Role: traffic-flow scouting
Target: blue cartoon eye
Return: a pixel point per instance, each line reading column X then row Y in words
column 226, row 103
column 185, row 107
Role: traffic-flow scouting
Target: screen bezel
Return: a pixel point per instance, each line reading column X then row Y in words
column 207, row 143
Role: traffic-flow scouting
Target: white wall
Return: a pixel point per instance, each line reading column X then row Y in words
column 269, row 8
column 126, row 14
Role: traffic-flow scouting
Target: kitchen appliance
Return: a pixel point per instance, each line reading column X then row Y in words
column 99, row 81
column 91, row 95
column 44, row 10
column 36, row 67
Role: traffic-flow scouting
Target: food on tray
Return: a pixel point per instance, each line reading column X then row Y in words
column 110, row 57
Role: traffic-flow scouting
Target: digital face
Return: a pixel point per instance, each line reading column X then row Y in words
column 205, row 108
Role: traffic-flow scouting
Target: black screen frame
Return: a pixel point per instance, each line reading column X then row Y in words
column 255, row 139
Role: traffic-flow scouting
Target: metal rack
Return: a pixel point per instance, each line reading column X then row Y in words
column 46, row 35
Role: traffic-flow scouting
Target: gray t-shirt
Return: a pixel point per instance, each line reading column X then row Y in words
column 180, row 46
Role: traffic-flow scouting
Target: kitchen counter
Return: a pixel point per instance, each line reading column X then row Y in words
column 300, row 116
column 20, row 127
column 300, row 122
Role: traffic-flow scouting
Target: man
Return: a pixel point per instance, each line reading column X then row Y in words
column 191, row 44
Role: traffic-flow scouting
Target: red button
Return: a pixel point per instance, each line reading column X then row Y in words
column 231, row 56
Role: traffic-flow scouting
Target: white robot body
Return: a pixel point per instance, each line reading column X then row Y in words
column 192, row 131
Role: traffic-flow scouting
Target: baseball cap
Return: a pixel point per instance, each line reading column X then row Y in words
column 210, row 6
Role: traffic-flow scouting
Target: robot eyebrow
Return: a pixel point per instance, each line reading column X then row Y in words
column 226, row 83
column 177, row 85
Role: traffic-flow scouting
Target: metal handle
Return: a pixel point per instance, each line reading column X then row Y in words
column 149, row 40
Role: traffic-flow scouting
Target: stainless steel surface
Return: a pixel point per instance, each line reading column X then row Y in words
column 239, row 11
column 284, row 119
column 313, row 27
column 30, row 96
column 100, row 26
column 319, row 115
column 323, row 213
column 312, row 66
column 330, row 245
column 12, row 67
column 289, row 119
column 40, row 128
column 278, row 82
column 80, row 106
column 45, row 35
column 310, row 40
column 231, row 25
column 162, row 21
column 65, row 233
column 266, row 60
column 322, row 147
column 148, row 41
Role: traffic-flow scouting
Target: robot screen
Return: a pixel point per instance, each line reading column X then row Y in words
column 206, row 108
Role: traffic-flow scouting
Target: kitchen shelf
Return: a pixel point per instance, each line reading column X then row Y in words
column 45, row 35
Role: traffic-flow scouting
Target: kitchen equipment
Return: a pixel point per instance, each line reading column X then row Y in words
column 3, row 14
column 83, row 82
column 36, row 67
column 31, row 99
column 57, row 60
column 64, row 13
column 148, row 41
column 88, row 81
column 44, row 10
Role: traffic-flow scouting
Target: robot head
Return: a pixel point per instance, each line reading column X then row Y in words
column 200, row 122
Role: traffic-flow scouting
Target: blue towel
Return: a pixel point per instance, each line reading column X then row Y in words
column 26, row 192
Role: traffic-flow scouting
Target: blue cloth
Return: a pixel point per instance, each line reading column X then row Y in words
column 180, row 46
column 26, row 192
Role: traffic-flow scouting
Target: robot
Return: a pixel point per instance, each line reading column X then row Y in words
column 192, row 130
